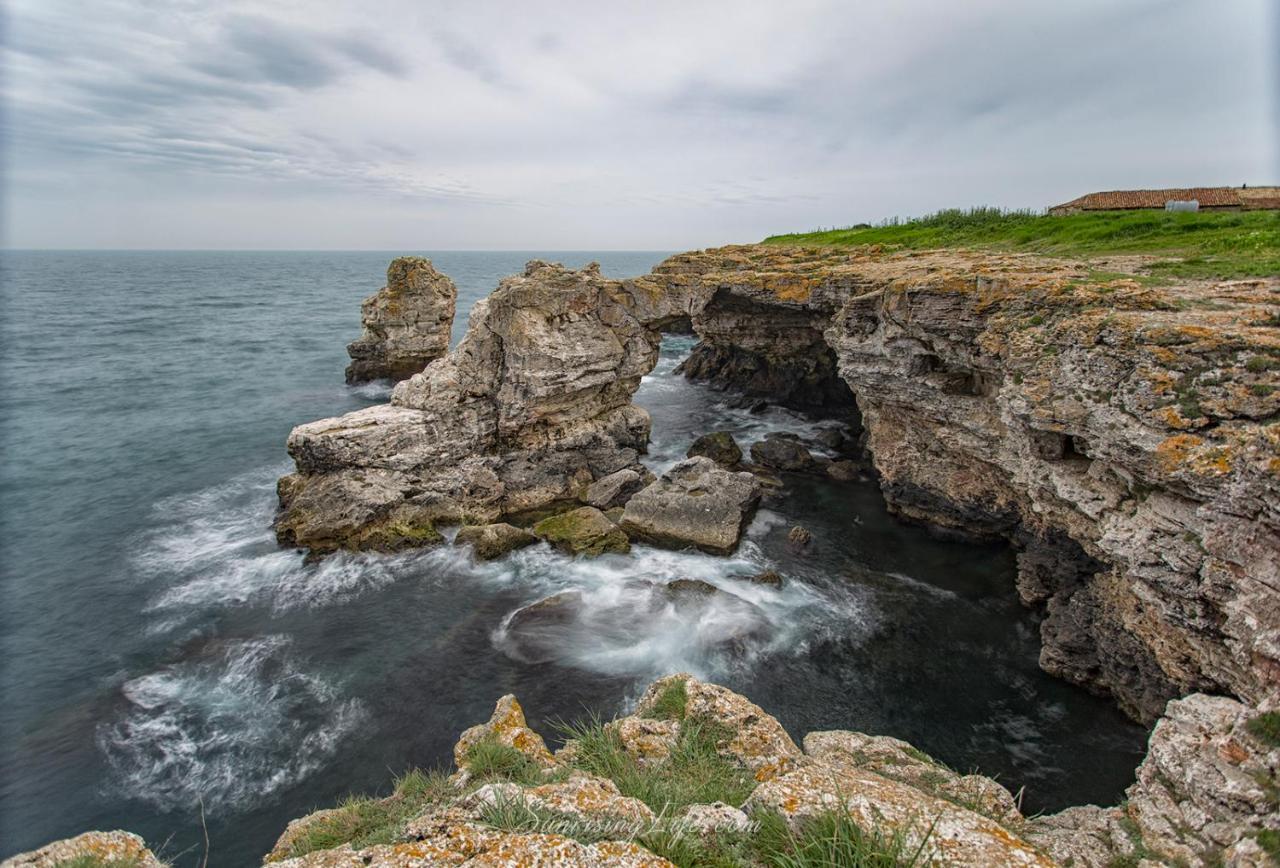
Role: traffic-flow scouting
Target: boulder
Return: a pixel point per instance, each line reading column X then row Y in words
column 490, row 541
column 844, row 470
column 609, row 492
column 534, row 633
column 782, row 453
column 831, row 438
column 584, row 531
column 695, row 504
column 799, row 538
column 768, row 578
column 406, row 323
column 719, row 446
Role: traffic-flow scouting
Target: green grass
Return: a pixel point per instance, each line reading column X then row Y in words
column 1206, row 244
column 828, row 839
column 671, row 702
column 694, row 773
column 1269, row 841
column 489, row 759
column 364, row 821
column 1266, row 727
column 88, row 860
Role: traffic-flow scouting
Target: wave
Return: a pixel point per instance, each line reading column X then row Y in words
column 228, row 728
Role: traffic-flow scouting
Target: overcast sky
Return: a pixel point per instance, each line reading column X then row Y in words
column 422, row 125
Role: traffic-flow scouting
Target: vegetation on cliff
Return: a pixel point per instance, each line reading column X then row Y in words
column 1207, row 244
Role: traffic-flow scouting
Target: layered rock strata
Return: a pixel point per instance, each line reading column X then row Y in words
column 406, row 324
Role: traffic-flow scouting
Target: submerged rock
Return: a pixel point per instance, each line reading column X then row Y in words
column 695, row 504
column 490, row 541
column 782, row 453
column 799, row 538
column 406, row 323
column 719, row 446
column 584, row 531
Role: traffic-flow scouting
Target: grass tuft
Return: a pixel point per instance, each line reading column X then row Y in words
column 671, row 702
column 362, row 821
column 694, row 773
column 488, row 758
column 1265, row 727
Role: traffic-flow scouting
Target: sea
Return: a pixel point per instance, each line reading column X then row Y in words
column 166, row 667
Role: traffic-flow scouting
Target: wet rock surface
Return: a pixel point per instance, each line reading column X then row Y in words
column 586, row 531
column 406, row 323
column 695, row 504
column 719, row 446
column 491, row 541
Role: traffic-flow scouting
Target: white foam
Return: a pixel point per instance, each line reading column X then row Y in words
column 229, row 727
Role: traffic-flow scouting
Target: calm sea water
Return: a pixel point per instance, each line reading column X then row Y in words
column 160, row 653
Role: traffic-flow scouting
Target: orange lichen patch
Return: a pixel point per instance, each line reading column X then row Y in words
column 1174, row 451
column 105, row 847
column 507, row 726
column 788, row 287
column 589, row 796
column 1171, row 417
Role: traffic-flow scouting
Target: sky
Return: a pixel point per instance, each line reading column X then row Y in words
column 432, row 125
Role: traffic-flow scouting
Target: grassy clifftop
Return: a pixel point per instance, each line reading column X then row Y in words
column 1181, row 245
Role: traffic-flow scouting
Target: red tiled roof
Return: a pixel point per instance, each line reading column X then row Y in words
column 1208, row 197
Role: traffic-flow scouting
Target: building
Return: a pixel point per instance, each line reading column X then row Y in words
column 1207, row 199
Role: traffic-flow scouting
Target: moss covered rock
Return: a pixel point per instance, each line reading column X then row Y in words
column 585, row 531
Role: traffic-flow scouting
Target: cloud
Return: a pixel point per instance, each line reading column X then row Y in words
column 576, row 124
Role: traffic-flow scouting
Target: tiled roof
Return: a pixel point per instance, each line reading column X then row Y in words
column 1208, row 197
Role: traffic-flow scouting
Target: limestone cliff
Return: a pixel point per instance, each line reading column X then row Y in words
column 406, row 323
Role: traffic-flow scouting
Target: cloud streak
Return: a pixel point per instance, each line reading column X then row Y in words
column 571, row 125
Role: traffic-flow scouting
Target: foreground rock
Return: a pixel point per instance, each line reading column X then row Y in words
column 406, row 323
column 90, row 848
column 695, row 504
column 1205, row 796
column 490, row 541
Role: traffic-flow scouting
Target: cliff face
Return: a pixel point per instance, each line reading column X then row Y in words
column 406, row 323
column 1123, row 435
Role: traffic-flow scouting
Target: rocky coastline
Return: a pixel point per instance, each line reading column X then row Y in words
column 1123, row 434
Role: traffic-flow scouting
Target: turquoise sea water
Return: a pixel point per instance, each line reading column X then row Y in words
column 160, row 652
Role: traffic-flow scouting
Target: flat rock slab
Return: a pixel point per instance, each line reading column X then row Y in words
column 696, row 504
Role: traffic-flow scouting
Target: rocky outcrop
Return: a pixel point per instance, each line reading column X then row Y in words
column 406, row 323
column 1123, row 435
column 90, row 848
column 531, row 408
column 695, row 504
